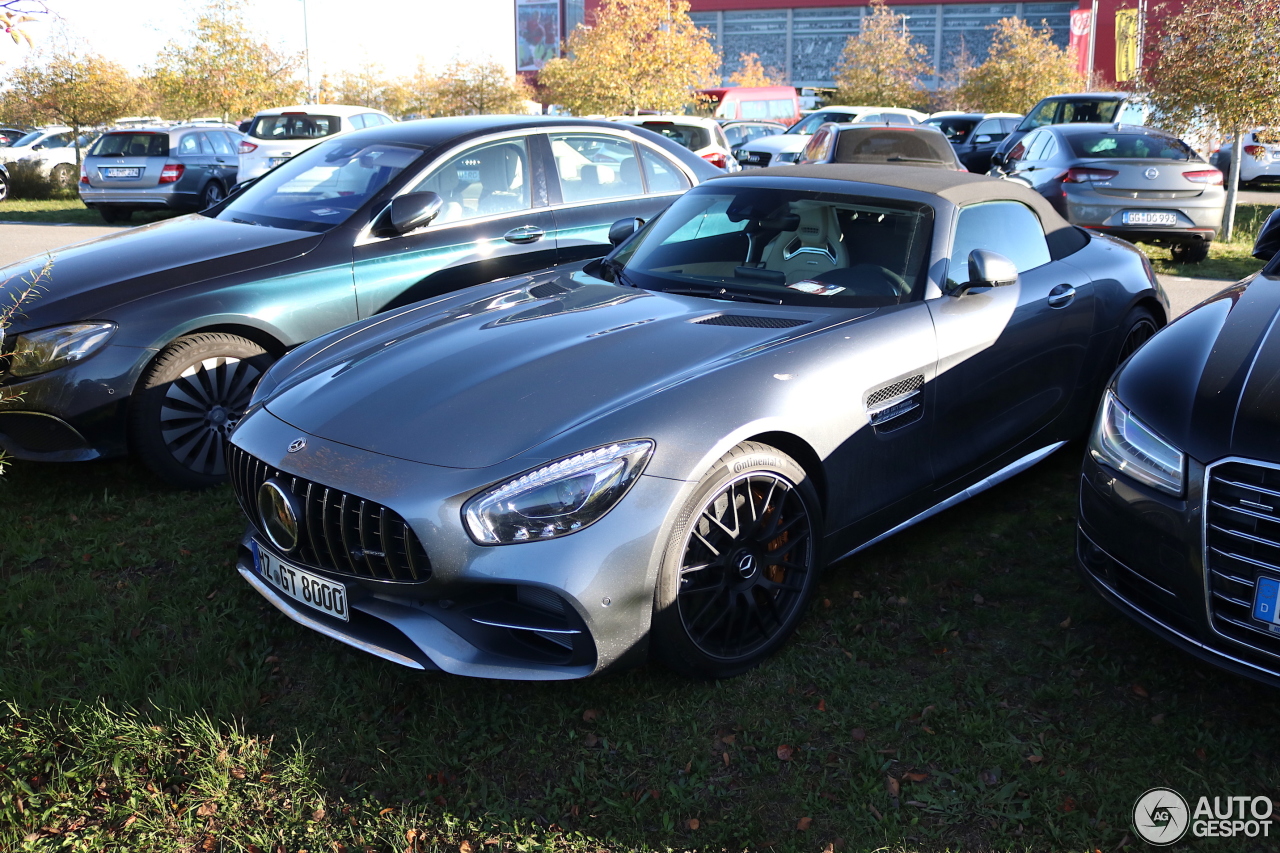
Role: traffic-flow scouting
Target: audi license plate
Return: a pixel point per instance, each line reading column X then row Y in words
column 1266, row 602
column 128, row 172
column 1148, row 217
column 300, row 585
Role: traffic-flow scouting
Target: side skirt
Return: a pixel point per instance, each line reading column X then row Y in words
column 977, row 488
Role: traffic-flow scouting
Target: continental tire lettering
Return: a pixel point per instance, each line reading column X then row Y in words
column 754, row 461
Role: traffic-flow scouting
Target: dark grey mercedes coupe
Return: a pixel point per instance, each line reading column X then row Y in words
column 657, row 452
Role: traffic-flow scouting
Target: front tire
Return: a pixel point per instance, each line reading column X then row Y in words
column 740, row 566
column 189, row 400
column 1189, row 253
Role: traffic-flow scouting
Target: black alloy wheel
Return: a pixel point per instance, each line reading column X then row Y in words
column 741, row 565
column 193, row 395
column 1139, row 327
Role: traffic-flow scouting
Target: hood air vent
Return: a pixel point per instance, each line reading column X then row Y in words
column 547, row 289
column 751, row 321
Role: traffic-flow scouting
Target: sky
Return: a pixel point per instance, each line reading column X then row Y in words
column 343, row 35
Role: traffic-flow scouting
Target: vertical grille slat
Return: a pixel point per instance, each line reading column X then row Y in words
column 1242, row 543
column 344, row 533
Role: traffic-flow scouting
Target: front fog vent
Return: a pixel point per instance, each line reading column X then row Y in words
column 752, row 321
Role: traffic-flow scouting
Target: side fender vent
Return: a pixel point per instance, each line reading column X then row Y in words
column 897, row 389
column 751, row 321
column 895, row 406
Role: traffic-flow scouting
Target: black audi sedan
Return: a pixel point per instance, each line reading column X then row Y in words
column 151, row 341
column 1180, row 494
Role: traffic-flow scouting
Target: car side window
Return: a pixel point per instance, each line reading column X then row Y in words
column 189, row 144
column 1009, row 228
column 1050, row 149
column 897, row 118
column 481, row 181
column 1044, row 114
column 221, row 144
column 871, row 118
column 990, row 127
column 1036, row 143
column 357, row 122
column 737, row 135
column 661, row 174
column 594, row 166
column 206, row 147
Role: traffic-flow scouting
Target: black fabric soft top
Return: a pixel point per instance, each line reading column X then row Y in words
column 959, row 188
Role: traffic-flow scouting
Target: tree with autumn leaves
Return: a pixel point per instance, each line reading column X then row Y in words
column 1024, row 65
column 1216, row 64
column 639, row 54
column 223, row 68
column 881, row 65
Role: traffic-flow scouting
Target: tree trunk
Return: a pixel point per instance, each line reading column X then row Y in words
column 75, row 140
column 1233, row 186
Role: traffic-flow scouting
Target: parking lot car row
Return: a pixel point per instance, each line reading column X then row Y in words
column 536, row 398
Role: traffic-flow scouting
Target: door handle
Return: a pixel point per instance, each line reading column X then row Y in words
column 1061, row 296
column 524, row 234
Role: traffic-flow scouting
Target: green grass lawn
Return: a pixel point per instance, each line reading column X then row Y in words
column 954, row 688
column 67, row 210
column 1231, row 261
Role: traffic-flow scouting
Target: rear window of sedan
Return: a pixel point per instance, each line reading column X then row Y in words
column 131, row 145
column 690, row 136
column 893, row 146
column 294, row 126
column 1143, row 146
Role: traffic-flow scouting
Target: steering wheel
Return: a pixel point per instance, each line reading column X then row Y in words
column 874, row 274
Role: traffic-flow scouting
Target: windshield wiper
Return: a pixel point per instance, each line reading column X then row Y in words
column 717, row 292
column 616, row 269
column 900, row 159
column 248, row 222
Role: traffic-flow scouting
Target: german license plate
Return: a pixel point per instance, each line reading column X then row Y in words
column 272, row 162
column 1147, row 217
column 300, row 585
column 128, row 172
column 1266, row 603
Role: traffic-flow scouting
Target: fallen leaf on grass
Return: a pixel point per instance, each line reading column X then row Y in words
column 1065, row 623
column 804, row 823
column 785, row 752
column 915, row 777
column 465, row 846
column 822, row 705
column 1157, row 719
column 856, row 595
column 725, row 756
column 590, row 714
column 978, row 599
column 892, row 786
column 1035, row 759
column 1068, row 805
column 1139, row 690
column 318, row 814
column 692, row 823
column 388, row 810
column 875, row 811
column 826, row 603
column 589, row 740
column 859, row 735
column 1201, row 754
column 237, row 773
column 207, row 809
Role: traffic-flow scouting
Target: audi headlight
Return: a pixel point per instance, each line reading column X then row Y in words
column 556, row 499
column 48, row 349
column 1126, row 444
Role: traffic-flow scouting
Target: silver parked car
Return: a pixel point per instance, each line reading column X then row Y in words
column 1139, row 183
column 658, row 451
column 184, row 168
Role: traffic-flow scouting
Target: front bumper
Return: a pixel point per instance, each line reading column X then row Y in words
column 74, row 413
column 1143, row 552
column 557, row 609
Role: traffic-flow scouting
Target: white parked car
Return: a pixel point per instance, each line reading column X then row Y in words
column 1261, row 160
column 53, row 150
column 276, row 135
column 702, row 136
column 786, row 147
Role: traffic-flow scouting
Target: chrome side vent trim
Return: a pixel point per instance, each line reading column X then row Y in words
column 896, row 405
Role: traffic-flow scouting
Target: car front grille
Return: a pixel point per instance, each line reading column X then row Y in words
column 754, row 158
column 1242, row 542
column 339, row 531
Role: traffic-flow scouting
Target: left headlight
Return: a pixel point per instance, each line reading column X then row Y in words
column 1124, row 443
column 556, row 499
column 48, row 349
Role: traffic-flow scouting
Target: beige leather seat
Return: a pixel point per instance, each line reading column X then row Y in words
column 815, row 247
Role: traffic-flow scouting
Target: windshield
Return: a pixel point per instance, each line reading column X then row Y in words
column 690, row 136
column 1071, row 112
column 321, row 187
column 783, row 246
column 956, row 129
column 294, row 126
column 29, row 139
column 1147, row 146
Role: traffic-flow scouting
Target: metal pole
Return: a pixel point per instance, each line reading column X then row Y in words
column 1093, row 40
column 306, row 47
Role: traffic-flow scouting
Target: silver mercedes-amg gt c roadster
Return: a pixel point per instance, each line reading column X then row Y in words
column 656, row 453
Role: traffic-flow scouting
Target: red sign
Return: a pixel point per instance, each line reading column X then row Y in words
column 1081, row 27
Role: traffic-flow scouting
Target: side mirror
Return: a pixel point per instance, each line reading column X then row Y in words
column 982, row 140
column 407, row 212
column 37, row 146
column 988, row 269
column 1268, row 242
column 622, row 229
